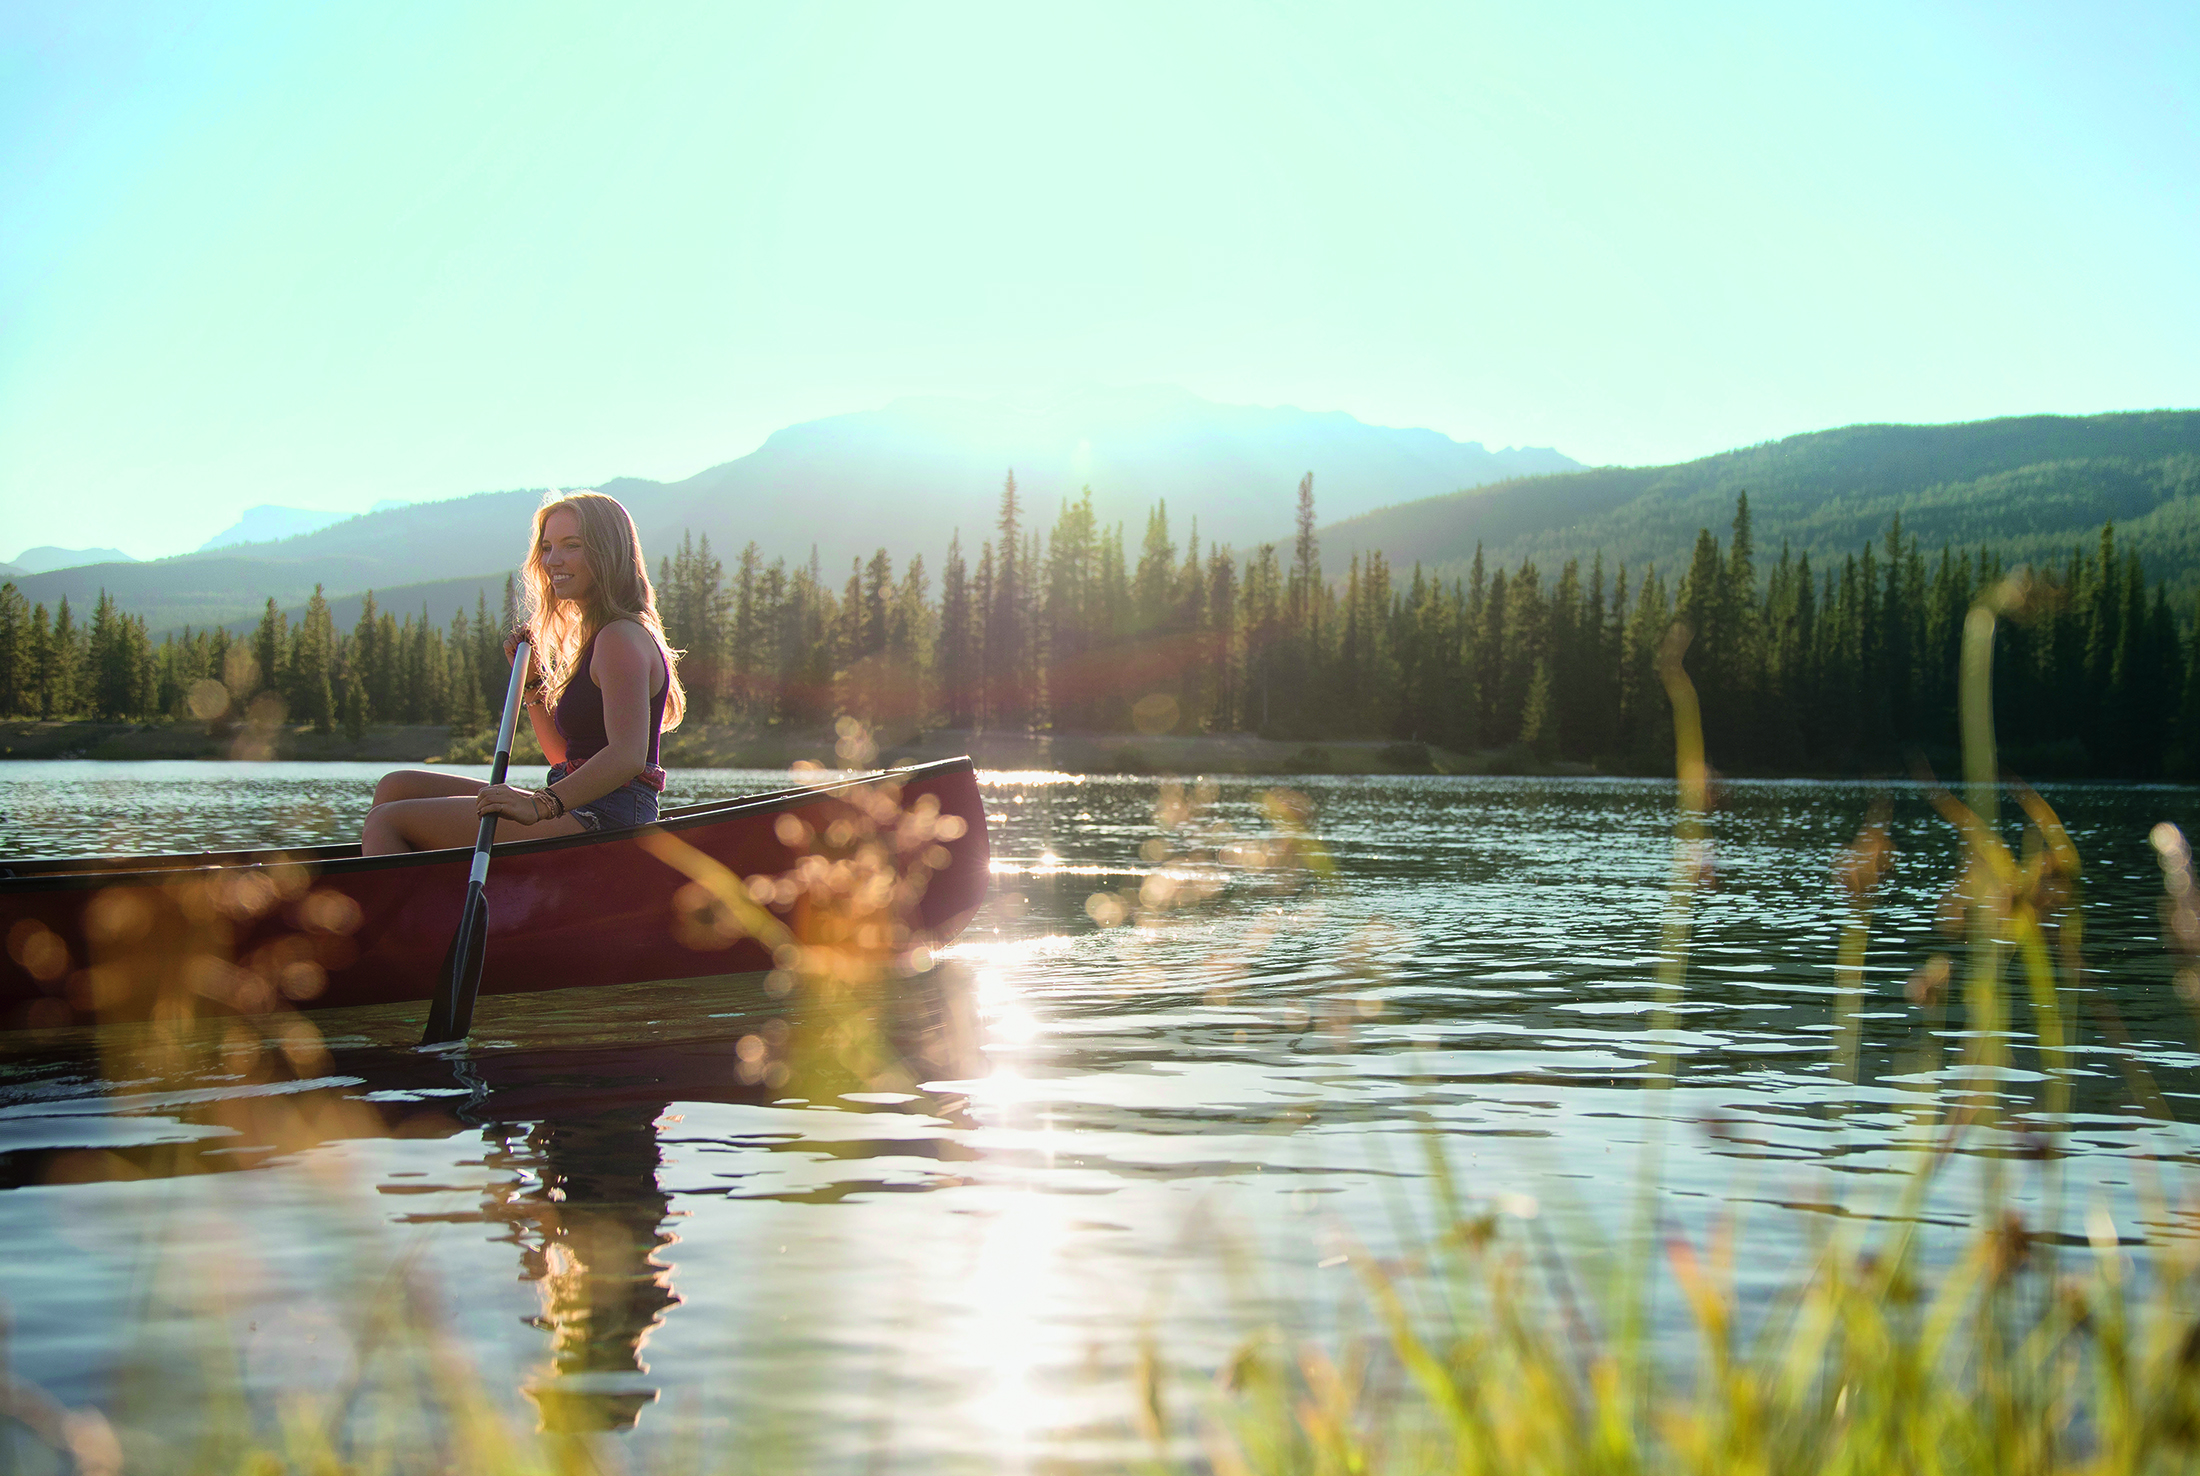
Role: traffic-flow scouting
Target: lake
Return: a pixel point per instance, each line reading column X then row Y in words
column 1170, row 1130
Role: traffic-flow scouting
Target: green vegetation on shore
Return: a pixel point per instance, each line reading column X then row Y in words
column 1820, row 670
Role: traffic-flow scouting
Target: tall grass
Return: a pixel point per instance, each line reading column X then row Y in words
column 2009, row 1359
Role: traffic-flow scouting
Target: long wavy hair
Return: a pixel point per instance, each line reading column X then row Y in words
column 621, row 591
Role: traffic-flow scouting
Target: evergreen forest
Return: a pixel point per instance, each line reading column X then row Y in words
column 1801, row 668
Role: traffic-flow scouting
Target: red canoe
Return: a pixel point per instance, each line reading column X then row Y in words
column 850, row 873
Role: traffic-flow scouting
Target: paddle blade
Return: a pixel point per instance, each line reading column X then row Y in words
column 452, row 1013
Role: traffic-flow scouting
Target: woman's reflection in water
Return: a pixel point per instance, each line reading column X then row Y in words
column 591, row 1228
column 577, row 1129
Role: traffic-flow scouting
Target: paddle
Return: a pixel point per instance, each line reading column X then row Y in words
column 452, row 1013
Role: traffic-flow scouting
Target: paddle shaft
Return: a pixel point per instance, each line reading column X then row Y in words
column 452, row 1013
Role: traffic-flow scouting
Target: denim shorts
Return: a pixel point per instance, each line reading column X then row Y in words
column 632, row 803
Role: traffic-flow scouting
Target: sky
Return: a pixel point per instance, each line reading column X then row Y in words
column 323, row 255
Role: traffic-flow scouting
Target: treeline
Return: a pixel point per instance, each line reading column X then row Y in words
column 382, row 671
column 1800, row 669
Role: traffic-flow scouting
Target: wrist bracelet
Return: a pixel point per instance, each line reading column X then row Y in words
column 554, row 798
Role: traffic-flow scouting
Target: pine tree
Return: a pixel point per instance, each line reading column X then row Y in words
column 909, row 634
column 693, row 603
column 1645, row 718
column 65, row 664
column 387, row 689
column 269, row 643
column 365, row 636
column 1006, row 637
column 877, row 604
column 469, row 713
column 1526, row 627
column 1539, row 728
column 1193, row 658
column 40, row 664
column 1156, row 573
column 488, row 668
column 1306, row 563
column 1227, row 711
column 1263, row 625
column 354, row 702
column 958, row 641
column 15, row 652
column 745, row 692
column 1071, row 615
column 112, row 665
column 988, row 700
column 312, row 666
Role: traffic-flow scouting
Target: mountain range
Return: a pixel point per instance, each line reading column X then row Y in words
column 45, row 558
column 906, row 478
column 269, row 523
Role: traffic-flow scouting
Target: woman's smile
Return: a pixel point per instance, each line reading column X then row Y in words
column 564, row 557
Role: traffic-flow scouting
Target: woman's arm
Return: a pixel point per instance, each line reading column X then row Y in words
column 538, row 706
column 625, row 668
column 545, row 726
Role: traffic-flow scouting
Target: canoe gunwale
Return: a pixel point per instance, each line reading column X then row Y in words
column 345, row 860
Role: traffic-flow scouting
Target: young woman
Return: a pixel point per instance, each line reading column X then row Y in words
column 605, row 689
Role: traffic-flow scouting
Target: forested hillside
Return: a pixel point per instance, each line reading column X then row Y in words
column 2031, row 487
column 1804, row 665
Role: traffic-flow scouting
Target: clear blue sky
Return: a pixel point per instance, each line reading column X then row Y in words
column 325, row 254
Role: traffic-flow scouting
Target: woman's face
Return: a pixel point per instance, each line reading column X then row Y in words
column 563, row 558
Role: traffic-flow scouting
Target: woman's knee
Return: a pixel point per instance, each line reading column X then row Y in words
column 405, row 784
column 380, row 835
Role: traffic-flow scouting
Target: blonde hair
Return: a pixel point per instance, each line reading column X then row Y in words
column 620, row 591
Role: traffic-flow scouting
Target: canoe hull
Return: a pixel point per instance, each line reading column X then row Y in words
column 328, row 928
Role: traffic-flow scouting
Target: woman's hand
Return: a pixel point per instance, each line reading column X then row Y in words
column 508, row 802
column 517, row 634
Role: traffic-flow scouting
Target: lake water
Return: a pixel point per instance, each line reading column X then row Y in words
column 1170, row 1129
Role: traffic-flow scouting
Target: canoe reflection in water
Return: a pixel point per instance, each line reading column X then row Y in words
column 179, row 977
column 573, row 1134
column 569, row 1125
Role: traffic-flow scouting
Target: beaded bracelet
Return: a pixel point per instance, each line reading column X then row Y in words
column 554, row 798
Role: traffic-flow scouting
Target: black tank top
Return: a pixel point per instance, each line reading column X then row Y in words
column 579, row 713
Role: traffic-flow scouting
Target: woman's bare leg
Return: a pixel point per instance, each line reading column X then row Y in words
column 433, row 823
column 407, row 784
column 404, row 784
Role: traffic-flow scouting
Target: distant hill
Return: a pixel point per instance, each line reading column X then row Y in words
column 232, row 584
column 2030, row 486
column 46, row 558
column 267, row 523
column 904, row 478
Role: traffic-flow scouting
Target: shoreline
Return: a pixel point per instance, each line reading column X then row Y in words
column 727, row 747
